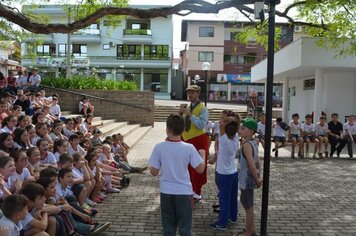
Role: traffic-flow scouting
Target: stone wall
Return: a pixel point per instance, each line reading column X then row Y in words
column 110, row 110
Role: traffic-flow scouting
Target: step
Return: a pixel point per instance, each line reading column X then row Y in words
column 95, row 119
column 136, row 135
column 127, row 129
column 104, row 122
column 112, row 128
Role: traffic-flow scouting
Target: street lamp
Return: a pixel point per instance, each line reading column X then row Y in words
column 206, row 67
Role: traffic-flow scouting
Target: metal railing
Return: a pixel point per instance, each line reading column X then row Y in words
column 96, row 97
column 147, row 32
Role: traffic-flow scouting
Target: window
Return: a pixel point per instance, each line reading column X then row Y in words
column 136, row 24
column 62, row 49
column 206, row 56
column 206, row 31
column 46, row 50
column 106, row 46
column 156, row 51
column 80, row 50
column 309, row 84
column 125, row 51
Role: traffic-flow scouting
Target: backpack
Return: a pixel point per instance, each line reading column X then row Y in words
column 284, row 126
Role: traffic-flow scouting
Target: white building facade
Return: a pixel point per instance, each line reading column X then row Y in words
column 315, row 80
column 135, row 49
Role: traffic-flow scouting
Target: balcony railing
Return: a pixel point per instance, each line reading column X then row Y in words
column 87, row 32
column 137, row 32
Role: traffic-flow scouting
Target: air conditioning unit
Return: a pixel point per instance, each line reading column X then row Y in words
column 298, row 29
column 111, row 44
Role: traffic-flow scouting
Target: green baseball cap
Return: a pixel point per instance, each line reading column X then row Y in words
column 250, row 123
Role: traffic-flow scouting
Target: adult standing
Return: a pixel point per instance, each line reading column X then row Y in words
column 336, row 135
column 196, row 117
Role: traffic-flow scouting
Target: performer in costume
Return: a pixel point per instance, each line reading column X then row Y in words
column 196, row 117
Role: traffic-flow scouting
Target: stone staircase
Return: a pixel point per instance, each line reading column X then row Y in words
column 131, row 132
column 162, row 112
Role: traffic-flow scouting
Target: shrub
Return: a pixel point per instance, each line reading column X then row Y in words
column 88, row 82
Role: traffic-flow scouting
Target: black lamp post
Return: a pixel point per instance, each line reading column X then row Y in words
column 206, row 67
column 268, row 129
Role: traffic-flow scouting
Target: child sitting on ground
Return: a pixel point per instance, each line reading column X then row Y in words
column 37, row 221
column 14, row 208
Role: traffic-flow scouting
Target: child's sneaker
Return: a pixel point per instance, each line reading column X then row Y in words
column 299, row 154
column 276, row 153
column 315, row 156
column 215, row 226
column 320, row 155
column 326, row 154
column 113, row 190
column 307, row 155
column 232, row 221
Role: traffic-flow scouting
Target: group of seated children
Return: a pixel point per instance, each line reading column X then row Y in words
column 58, row 169
column 321, row 134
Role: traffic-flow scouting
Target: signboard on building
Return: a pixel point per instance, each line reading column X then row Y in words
column 62, row 62
column 233, row 78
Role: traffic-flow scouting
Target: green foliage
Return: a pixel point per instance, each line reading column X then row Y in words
column 339, row 19
column 258, row 33
column 88, row 82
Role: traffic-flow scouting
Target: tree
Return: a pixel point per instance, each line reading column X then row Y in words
column 334, row 20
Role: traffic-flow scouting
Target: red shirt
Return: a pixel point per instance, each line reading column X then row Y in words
column 11, row 81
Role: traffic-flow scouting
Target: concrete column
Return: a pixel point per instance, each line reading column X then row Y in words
column 354, row 107
column 318, row 94
column 229, row 91
column 169, row 82
column 286, row 100
column 142, row 80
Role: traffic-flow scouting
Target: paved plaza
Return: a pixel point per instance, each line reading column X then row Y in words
column 307, row 197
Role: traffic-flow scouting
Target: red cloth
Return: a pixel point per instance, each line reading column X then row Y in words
column 198, row 180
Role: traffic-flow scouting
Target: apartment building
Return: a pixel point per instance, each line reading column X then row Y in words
column 229, row 77
column 7, row 63
column 134, row 49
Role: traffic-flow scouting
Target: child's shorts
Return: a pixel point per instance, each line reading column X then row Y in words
column 310, row 138
column 296, row 136
column 279, row 139
column 246, row 198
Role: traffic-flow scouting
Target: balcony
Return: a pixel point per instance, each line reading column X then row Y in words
column 44, row 38
column 128, row 62
column 86, row 36
column 137, row 36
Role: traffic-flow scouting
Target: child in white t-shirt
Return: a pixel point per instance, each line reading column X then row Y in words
column 309, row 136
column 227, row 173
column 279, row 136
column 14, row 208
column 173, row 157
column 295, row 135
column 350, row 134
column 321, row 132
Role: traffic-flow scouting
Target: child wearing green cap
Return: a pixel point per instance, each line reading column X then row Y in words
column 249, row 174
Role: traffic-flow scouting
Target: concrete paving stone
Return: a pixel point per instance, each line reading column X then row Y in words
column 307, row 197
